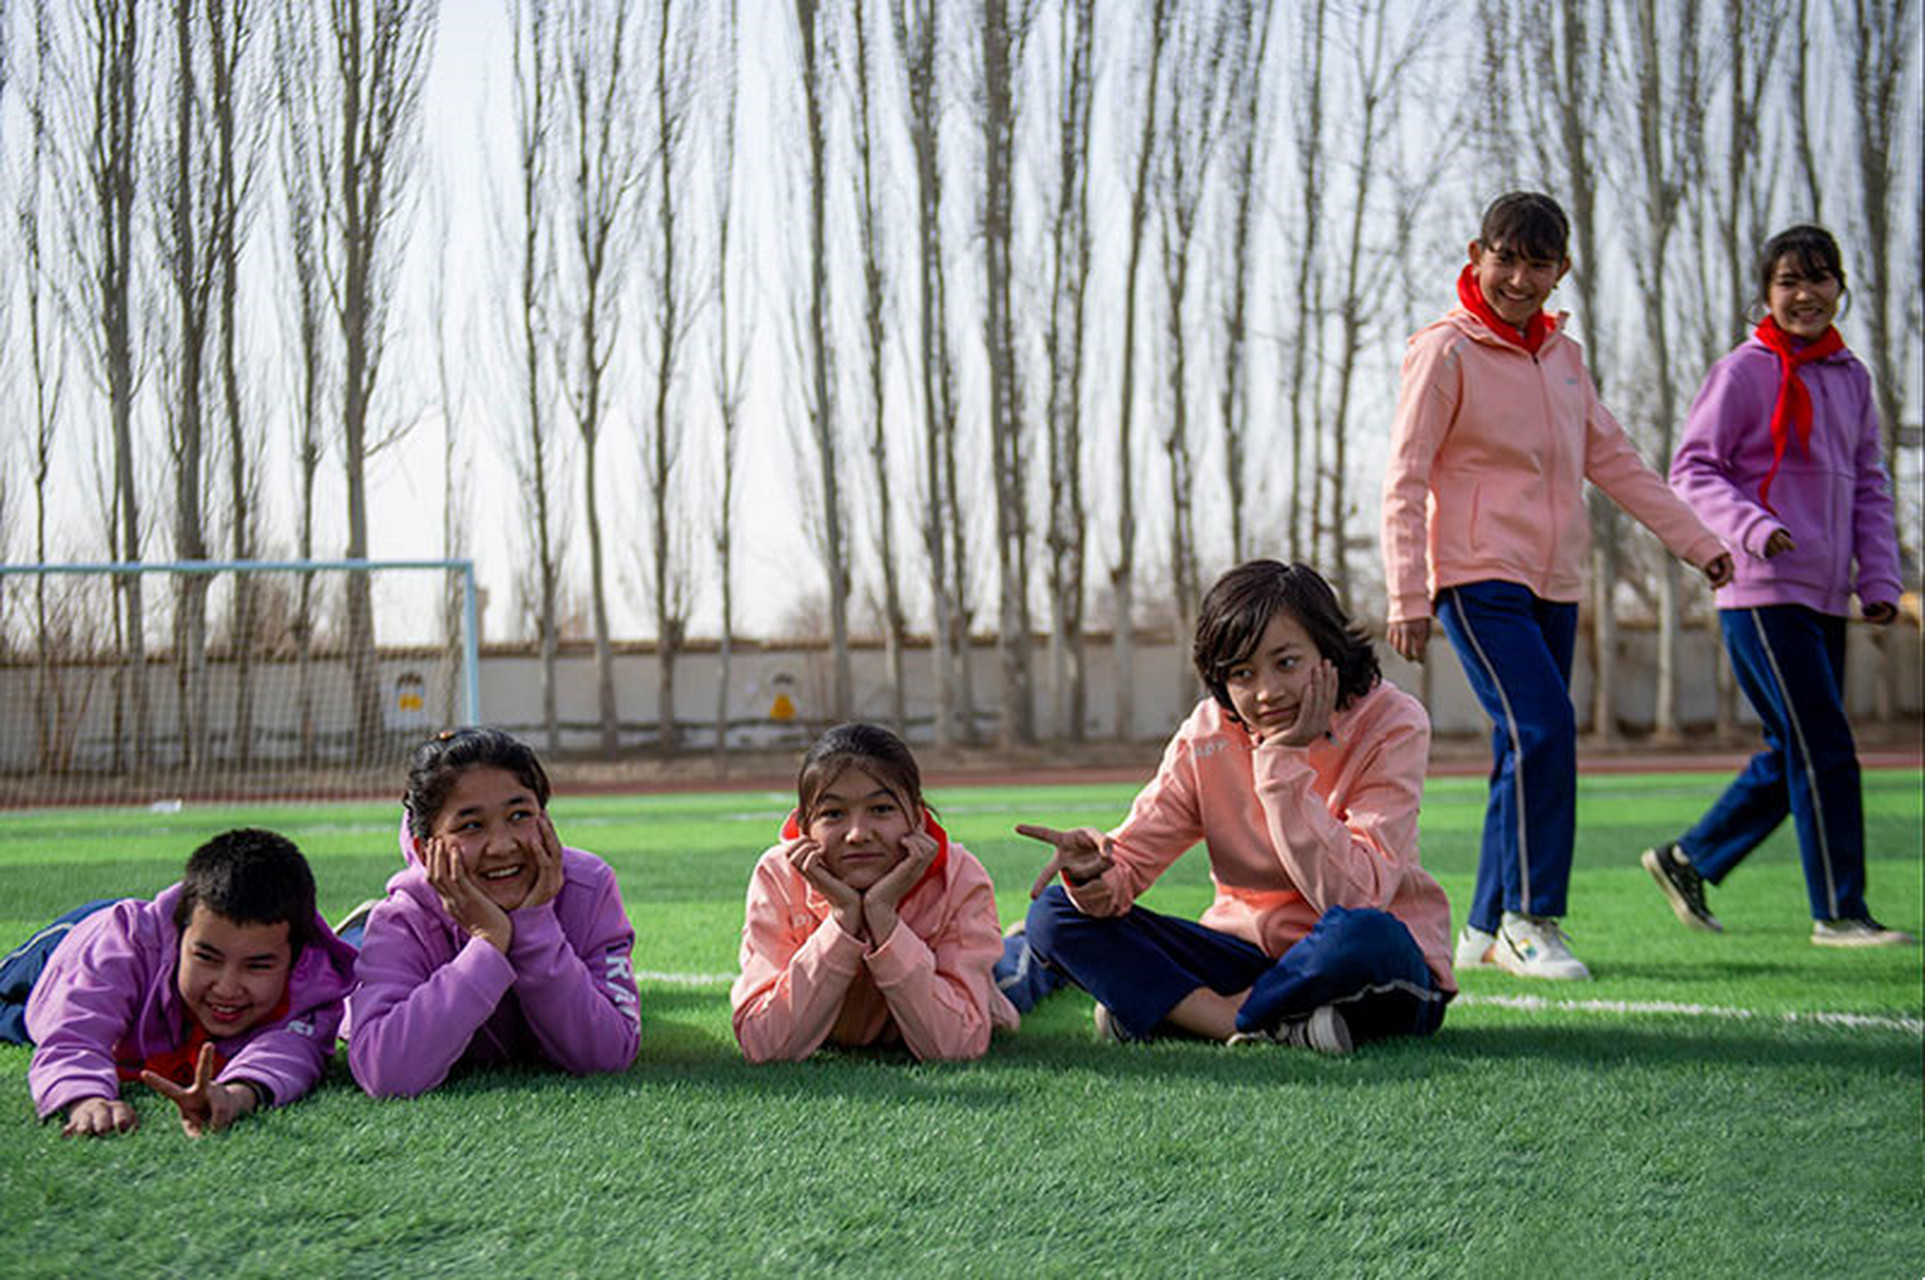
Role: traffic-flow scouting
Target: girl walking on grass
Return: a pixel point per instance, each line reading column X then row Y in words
column 1781, row 457
column 495, row 944
column 865, row 923
column 1485, row 529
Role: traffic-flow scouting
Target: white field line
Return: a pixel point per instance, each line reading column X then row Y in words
column 1882, row 1022
column 1535, row 1004
column 685, row 979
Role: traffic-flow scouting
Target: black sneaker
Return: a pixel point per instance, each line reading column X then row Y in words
column 1683, row 886
column 1324, row 1031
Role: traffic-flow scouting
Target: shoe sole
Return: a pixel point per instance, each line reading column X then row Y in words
column 1329, row 1033
column 1512, row 964
column 1680, row 907
column 1891, row 939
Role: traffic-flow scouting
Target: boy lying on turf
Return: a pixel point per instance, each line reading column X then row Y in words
column 223, row 994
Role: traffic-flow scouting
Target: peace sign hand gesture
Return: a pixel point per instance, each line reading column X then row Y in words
column 206, row 1106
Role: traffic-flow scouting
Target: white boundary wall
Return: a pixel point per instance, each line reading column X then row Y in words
column 510, row 691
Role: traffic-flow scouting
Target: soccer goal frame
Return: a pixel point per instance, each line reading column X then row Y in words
column 89, row 626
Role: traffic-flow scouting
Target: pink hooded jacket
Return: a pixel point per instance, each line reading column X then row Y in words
column 107, row 997
column 1291, row 831
column 804, row 981
column 1488, row 458
column 430, row 996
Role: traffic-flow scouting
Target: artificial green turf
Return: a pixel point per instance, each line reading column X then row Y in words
column 1518, row 1142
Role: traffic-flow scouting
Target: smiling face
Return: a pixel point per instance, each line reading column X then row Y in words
column 231, row 975
column 491, row 816
column 1803, row 297
column 860, row 824
column 1266, row 686
column 1515, row 283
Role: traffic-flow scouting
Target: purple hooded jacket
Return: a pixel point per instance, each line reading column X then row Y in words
column 1831, row 493
column 108, row 996
column 429, row 996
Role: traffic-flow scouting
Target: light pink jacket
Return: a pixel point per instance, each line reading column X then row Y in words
column 804, row 981
column 1291, row 831
column 1488, row 458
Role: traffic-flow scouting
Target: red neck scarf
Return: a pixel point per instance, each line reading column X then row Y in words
column 1530, row 337
column 792, row 830
column 179, row 1063
column 1792, row 411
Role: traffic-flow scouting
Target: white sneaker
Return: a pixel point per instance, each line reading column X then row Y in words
column 1534, row 947
column 1862, row 932
column 1474, row 948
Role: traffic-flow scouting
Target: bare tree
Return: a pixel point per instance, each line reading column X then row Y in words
column 239, row 107
column 370, row 96
column 1306, row 291
column 190, row 266
column 872, row 233
column 944, row 535
column 1565, row 78
column 46, row 366
column 1250, row 30
column 1123, row 574
column 1665, row 83
column 602, row 189
column 1803, row 134
column 1730, row 204
column 1384, row 51
column 102, row 131
column 456, row 480
column 819, row 353
column 532, row 52
column 1884, row 45
column 1198, row 88
column 296, row 67
column 729, row 367
column 1001, row 40
column 1067, row 538
column 672, row 285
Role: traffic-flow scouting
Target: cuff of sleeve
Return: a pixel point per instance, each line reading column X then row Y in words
column 842, row 951
column 901, row 955
column 69, row 1092
column 1705, row 549
column 1409, row 607
column 480, row 965
column 536, row 930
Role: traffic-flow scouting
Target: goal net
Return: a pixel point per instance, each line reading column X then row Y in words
column 159, row 683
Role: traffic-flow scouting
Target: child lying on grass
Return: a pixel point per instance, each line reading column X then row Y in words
column 223, row 994
column 866, row 924
column 496, row 944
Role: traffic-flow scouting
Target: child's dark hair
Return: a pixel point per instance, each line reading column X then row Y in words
column 1236, row 609
column 857, row 745
column 436, row 763
column 1526, row 222
column 1811, row 249
column 250, row 876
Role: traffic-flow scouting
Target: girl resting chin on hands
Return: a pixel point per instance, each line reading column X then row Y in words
column 866, row 924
